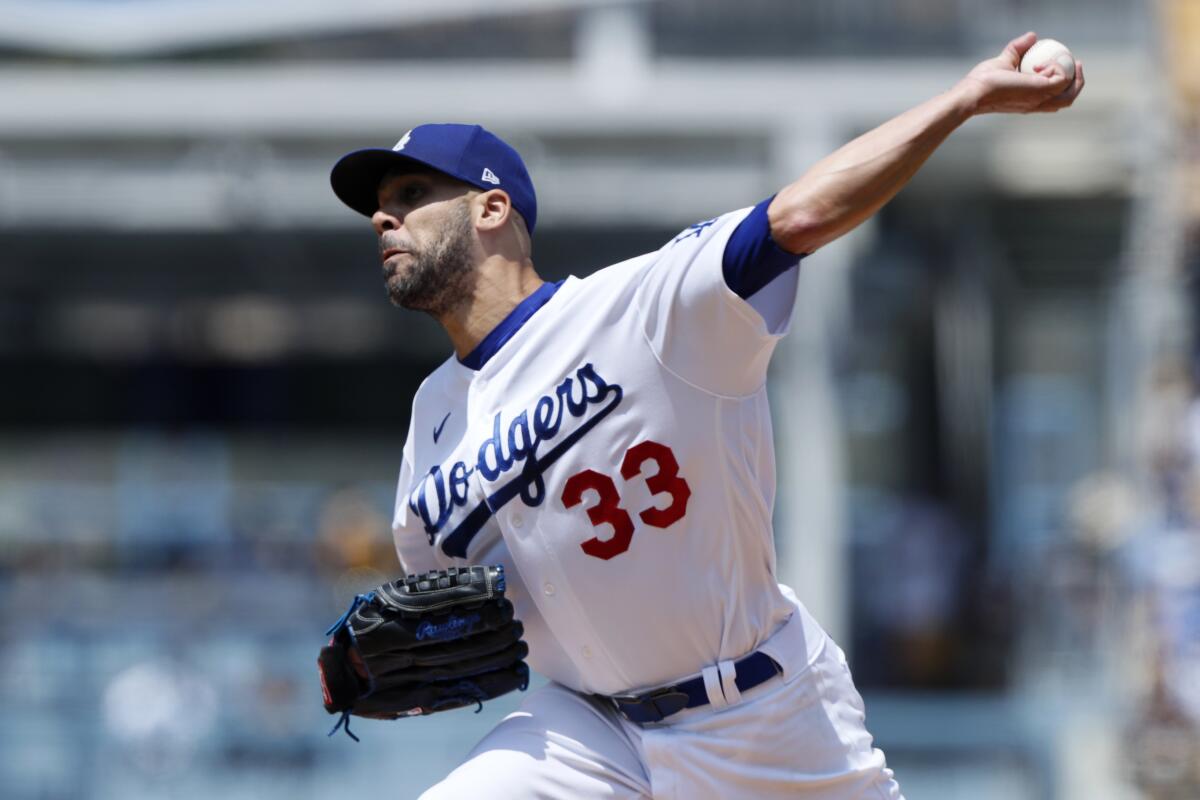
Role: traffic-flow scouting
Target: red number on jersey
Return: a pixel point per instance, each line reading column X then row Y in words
column 608, row 510
column 665, row 480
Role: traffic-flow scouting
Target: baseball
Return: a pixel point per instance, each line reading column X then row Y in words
column 1047, row 50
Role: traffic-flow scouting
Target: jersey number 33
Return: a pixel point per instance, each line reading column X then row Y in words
column 608, row 509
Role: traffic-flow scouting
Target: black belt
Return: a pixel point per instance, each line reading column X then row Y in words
column 661, row 703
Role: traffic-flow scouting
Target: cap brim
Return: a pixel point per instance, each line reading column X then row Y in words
column 355, row 177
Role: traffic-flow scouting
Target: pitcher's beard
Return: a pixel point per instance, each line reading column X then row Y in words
column 441, row 275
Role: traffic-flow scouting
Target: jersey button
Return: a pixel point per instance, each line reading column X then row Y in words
column 587, row 651
column 517, row 520
column 549, row 589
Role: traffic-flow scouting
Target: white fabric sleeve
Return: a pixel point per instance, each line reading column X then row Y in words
column 408, row 531
column 698, row 327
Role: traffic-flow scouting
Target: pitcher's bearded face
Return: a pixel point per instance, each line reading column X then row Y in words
column 433, row 272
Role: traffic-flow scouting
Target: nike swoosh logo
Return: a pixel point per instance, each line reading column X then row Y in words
column 438, row 430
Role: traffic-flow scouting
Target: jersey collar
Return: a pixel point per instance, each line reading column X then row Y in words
column 508, row 326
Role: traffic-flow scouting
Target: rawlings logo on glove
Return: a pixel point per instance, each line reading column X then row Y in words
column 450, row 629
column 422, row 644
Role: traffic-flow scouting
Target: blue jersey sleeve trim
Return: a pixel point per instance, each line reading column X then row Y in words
column 752, row 259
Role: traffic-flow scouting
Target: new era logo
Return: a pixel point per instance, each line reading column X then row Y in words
column 490, row 177
column 403, row 141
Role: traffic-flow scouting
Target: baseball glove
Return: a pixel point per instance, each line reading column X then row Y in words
column 422, row 644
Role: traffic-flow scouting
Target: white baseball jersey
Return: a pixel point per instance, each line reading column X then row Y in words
column 615, row 455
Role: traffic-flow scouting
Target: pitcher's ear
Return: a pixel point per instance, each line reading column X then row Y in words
column 492, row 209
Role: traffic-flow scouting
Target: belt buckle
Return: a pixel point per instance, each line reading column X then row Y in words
column 657, row 705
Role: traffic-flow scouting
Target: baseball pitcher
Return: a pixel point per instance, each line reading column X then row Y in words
column 587, row 482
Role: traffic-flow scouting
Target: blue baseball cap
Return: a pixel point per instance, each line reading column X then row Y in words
column 467, row 152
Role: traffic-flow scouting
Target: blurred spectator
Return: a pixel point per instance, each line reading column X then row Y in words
column 913, row 556
column 1079, row 592
column 1164, row 565
column 352, row 533
column 354, row 545
column 159, row 712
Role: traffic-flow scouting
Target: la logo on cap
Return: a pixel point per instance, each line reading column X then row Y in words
column 403, row 141
column 490, row 177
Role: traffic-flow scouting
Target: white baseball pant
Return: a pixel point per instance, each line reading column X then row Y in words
column 798, row 735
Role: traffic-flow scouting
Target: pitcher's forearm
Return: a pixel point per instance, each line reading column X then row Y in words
column 846, row 187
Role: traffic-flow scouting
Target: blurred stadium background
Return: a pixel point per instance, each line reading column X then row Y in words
column 987, row 412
